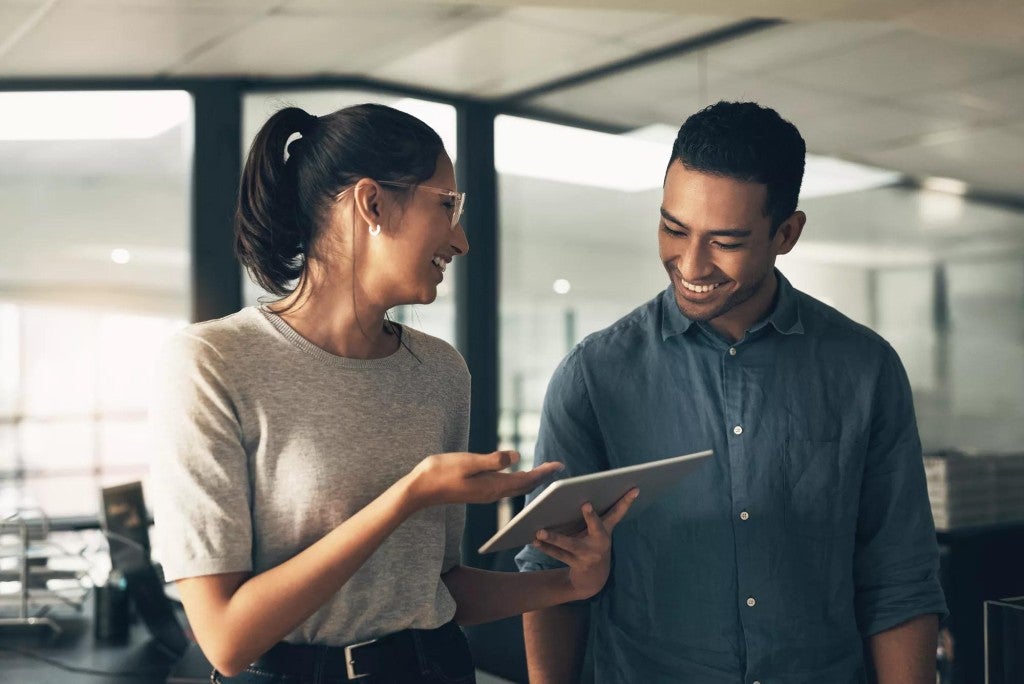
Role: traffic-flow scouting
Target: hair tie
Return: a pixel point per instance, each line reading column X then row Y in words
column 307, row 125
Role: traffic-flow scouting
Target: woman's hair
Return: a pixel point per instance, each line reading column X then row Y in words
column 283, row 200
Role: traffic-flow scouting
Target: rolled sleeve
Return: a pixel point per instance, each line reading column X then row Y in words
column 568, row 433
column 896, row 558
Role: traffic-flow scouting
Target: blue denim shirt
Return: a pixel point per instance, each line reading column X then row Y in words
column 808, row 529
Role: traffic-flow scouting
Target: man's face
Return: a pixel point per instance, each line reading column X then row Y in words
column 714, row 241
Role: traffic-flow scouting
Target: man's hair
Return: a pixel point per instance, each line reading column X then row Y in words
column 748, row 142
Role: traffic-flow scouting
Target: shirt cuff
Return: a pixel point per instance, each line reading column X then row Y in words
column 881, row 609
column 532, row 560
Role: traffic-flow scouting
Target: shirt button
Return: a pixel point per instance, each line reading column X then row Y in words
column 751, row 602
column 732, row 352
column 744, row 515
column 737, row 430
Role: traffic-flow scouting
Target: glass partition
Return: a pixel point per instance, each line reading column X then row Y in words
column 94, row 274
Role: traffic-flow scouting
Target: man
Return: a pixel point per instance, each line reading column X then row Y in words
column 809, row 529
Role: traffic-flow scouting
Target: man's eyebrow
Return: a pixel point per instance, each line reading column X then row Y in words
column 723, row 232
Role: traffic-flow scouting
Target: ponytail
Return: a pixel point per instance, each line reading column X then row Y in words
column 271, row 233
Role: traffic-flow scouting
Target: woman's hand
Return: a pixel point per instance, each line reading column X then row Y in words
column 588, row 553
column 460, row 477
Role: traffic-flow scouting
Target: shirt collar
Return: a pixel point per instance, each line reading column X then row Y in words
column 673, row 322
column 785, row 317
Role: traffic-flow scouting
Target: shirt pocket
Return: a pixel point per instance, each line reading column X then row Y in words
column 822, row 487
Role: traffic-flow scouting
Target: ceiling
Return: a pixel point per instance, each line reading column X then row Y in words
column 925, row 87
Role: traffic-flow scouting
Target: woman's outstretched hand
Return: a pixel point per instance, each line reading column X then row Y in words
column 460, row 477
column 588, row 553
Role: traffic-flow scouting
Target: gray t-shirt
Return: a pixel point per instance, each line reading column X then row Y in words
column 264, row 443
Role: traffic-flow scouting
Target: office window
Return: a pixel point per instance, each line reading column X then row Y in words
column 94, row 260
column 437, row 318
column 578, row 220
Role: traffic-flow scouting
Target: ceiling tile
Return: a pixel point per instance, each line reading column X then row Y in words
column 987, row 159
column 675, row 29
column 979, row 101
column 658, row 93
column 899, row 63
column 185, row 6
column 792, row 43
column 588, row 57
column 99, row 41
column 387, row 9
column 328, row 45
column 794, row 103
column 598, row 23
column 358, row 11
column 13, row 16
column 866, row 126
column 498, row 54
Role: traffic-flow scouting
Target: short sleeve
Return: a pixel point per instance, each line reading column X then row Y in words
column 455, row 516
column 568, row 433
column 199, row 471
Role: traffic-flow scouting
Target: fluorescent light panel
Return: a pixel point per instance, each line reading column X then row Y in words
column 636, row 161
column 92, row 115
column 536, row 149
column 825, row 176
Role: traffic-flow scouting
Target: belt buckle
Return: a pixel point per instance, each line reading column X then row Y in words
column 350, row 664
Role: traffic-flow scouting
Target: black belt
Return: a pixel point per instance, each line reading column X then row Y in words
column 394, row 656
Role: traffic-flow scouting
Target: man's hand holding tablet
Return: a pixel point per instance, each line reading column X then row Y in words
column 586, row 552
column 557, row 508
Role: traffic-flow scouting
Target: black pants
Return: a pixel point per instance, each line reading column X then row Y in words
column 434, row 656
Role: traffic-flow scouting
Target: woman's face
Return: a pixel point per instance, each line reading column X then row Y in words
column 407, row 260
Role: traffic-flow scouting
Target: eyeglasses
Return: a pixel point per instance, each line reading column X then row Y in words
column 458, row 198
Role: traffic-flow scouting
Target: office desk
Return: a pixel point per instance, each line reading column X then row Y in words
column 77, row 647
column 978, row 564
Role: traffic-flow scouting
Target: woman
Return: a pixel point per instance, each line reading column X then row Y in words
column 310, row 476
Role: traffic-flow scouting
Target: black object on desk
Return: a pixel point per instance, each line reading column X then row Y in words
column 1004, row 641
column 124, row 522
column 980, row 564
column 110, row 614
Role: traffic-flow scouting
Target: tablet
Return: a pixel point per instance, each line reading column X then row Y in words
column 558, row 507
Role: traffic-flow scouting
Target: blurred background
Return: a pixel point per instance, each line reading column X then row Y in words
column 123, row 124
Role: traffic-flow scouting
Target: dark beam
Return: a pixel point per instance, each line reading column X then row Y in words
column 216, row 167
column 476, row 301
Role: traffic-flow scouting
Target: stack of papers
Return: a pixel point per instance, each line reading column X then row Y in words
column 971, row 489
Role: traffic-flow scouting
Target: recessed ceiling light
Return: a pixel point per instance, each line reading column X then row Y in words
column 948, row 185
column 561, row 286
column 120, row 256
column 92, row 115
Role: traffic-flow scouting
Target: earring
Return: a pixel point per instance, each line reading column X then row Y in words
column 375, row 230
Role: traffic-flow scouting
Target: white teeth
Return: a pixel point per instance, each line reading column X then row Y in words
column 698, row 288
column 440, row 263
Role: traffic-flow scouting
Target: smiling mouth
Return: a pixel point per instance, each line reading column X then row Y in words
column 697, row 289
column 439, row 263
